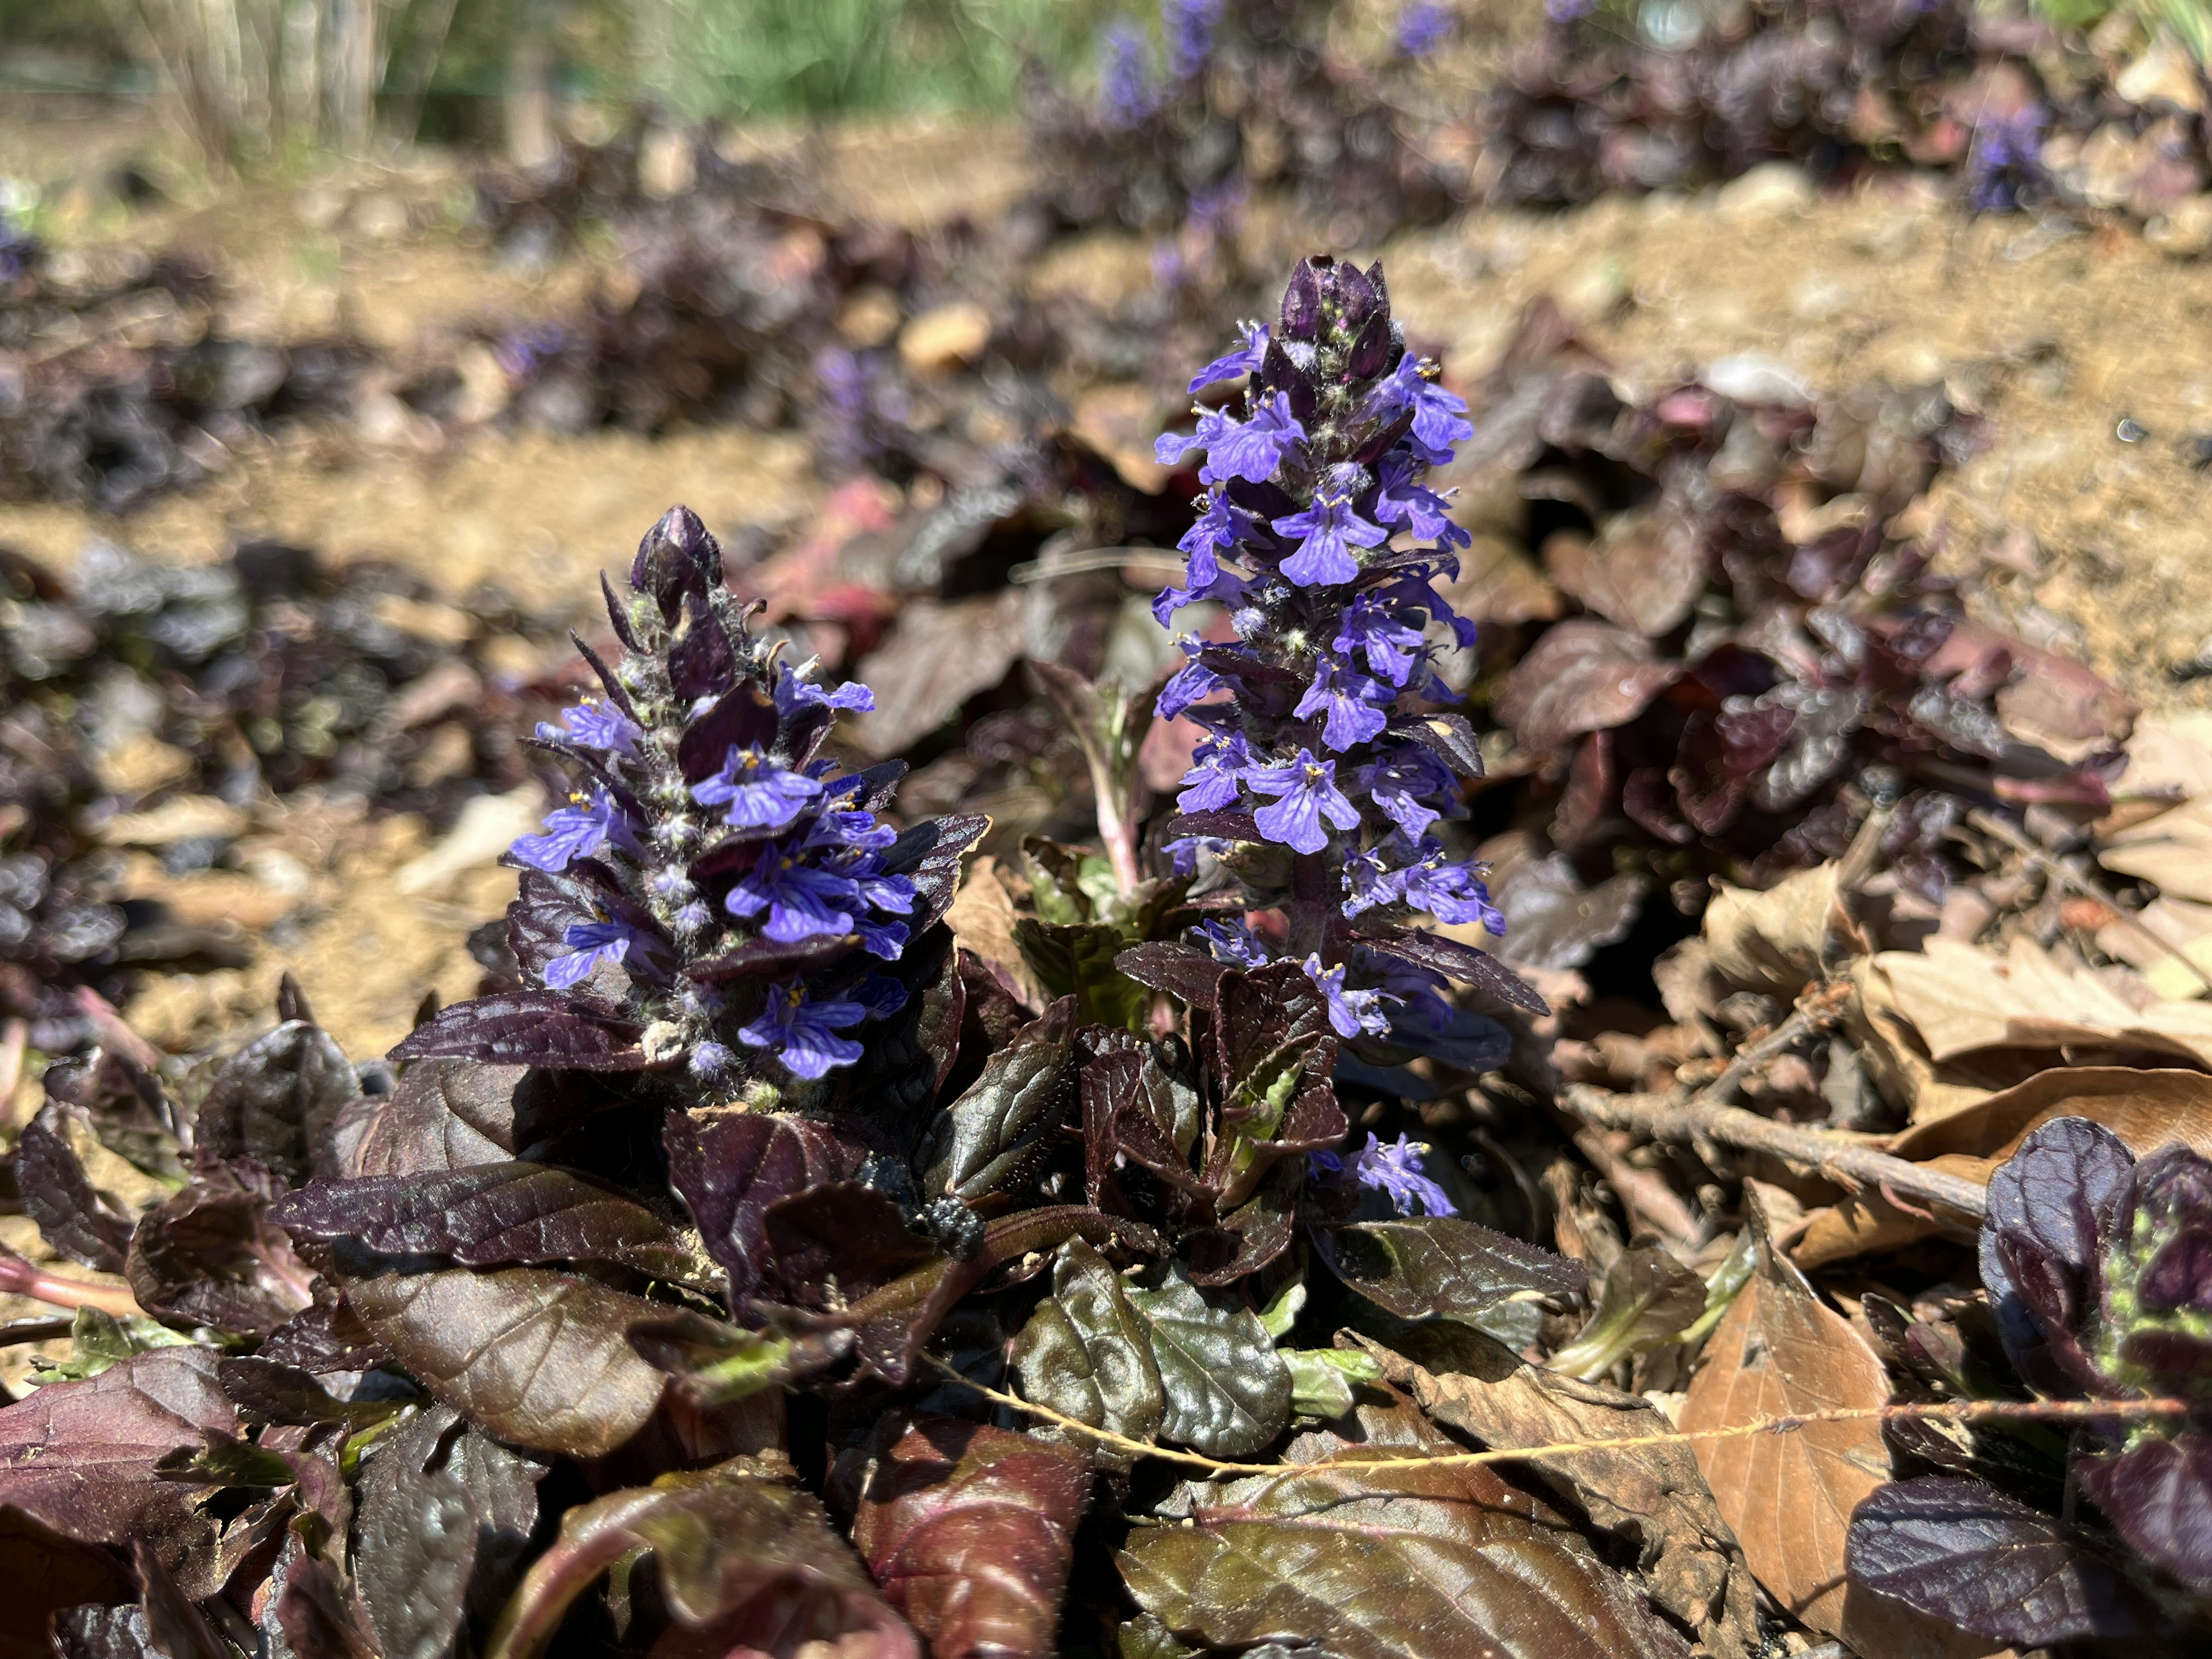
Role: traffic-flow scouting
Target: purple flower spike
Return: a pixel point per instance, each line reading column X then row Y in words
column 1368, row 882
column 1405, row 500
column 1211, row 784
column 1351, row 1013
column 592, row 943
column 1231, row 941
column 1331, row 529
column 1191, row 684
column 1396, row 1170
column 1237, row 364
column 801, row 902
column 1307, row 792
column 577, row 831
column 1353, row 703
column 1254, row 450
column 803, row 1033
column 1188, row 27
column 1379, row 631
column 592, row 724
column 759, row 795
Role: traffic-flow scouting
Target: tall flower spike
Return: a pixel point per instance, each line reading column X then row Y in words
column 1319, row 532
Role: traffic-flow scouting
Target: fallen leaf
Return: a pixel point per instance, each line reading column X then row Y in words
column 1960, row 997
column 1773, row 941
column 2172, row 851
column 2145, row 1109
column 982, row 918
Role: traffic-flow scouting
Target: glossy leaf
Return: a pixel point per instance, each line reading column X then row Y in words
column 415, row 1546
column 1228, row 1392
column 444, row 1115
column 490, row 1215
column 1321, row 1379
column 994, row 1138
column 2038, row 1246
column 276, row 1101
column 528, row 1028
column 742, row 1559
column 532, row 1356
column 1181, row 970
column 969, row 1530
column 728, row 1169
column 1647, row 1299
column 2159, row 1495
column 1442, row 1267
column 1963, row 1553
column 60, row 1198
column 1087, row 1352
column 211, row 1255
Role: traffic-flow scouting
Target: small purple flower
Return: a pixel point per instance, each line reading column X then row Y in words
column 1422, row 27
column 577, row 831
column 1352, row 702
column 1404, row 500
column 803, row 1033
column 1237, row 364
column 594, row 724
column 1252, row 450
column 1415, row 588
column 794, row 694
column 1211, row 783
column 1396, row 1170
column 1184, row 850
column 1380, row 631
column 759, row 795
column 1452, row 893
column 1331, row 529
column 1368, row 882
column 880, row 994
column 1188, row 27
column 1307, row 792
column 1191, row 684
column 710, row 1061
column 592, row 943
column 1231, row 941
column 1351, row 1013
column 802, row 903
column 1126, row 94
column 1401, row 782
column 1439, row 415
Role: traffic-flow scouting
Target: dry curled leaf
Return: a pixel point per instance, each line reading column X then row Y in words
column 1774, row 941
column 1958, row 998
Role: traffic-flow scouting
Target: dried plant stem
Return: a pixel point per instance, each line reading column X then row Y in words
column 1846, row 1159
column 1954, row 1411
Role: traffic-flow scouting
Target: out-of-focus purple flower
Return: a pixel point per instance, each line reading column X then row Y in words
column 801, row 901
column 1353, row 703
column 1307, row 792
column 594, row 724
column 1236, row 365
column 1125, row 93
column 522, row 353
column 577, row 831
column 1422, row 27
column 1396, row 1168
column 1567, row 11
column 802, row 1032
column 1231, row 941
column 759, row 793
column 2005, row 166
column 590, row 944
column 1188, row 27
column 1351, row 1013
column 794, row 694
column 1330, row 530
column 1212, row 784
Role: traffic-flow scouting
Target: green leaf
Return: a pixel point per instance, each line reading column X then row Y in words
column 1649, row 1298
column 1055, row 885
column 534, row 1356
column 1321, row 1379
column 1087, row 1352
column 716, row 1363
column 997, row 1135
column 1228, row 1391
column 1076, row 959
column 1412, row 1561
column 1442, row 1267
column 1283, row 1308
column 97, row 1340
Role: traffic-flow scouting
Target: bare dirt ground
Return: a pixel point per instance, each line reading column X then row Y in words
column 2079, row 538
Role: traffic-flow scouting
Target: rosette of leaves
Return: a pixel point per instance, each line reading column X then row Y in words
column 2099, row 1270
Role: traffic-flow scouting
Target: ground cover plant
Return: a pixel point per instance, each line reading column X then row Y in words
column 1183, row 1238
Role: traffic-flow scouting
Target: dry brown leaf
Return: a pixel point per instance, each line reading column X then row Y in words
column 1781, row 1352
column 2145, row 1109
column 1773, row 941
column 1653, row 1496
column 2063, row 707
column 2168, row 754
column 1867, row 1223
column 983, row 917
column 1893, row 1057
column 1960, row 997
column 2172, row 851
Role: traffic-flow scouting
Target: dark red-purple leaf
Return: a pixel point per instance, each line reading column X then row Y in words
column 746, row 1563
column 1087, row 1352
column 535, row 1357
column 994, row 1139
column 79, row 1457
column 2158, row 1494
column 211, row 1255
column 744, row 718
column 728, row 1169
column 2038, row 1246
column 1965, row 1554
column 277, row 1393
column 1461, row 962
column 969, row 1531
column 929, row 855
column 1181, row 970
column 59, row 1196
column 837, row 1243
column 909, row 1055
column 1216, row 826
column 324, row 1338
column 80, row 1591
column 1582, row 676
column 444, row 1115
column 276, row 1101
column 529, row 1028
column 1442, row 1267
column 1250, row 1236
column 491, row 1215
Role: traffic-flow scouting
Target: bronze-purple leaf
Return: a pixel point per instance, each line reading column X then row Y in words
column 1442, row 1267
column 1582, row 676
column 529, row 1028
column 60, row 1198
column 729, row 1170
column 277, row 1102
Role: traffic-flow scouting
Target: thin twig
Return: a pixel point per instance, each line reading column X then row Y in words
column 1846, row 1159
column 1990, row 824
column 1956, row 1410
column 14, row 1045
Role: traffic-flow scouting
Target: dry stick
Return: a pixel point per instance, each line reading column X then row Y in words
column 1844, row 1159
column 1990, row 824
column 1956, row 1411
